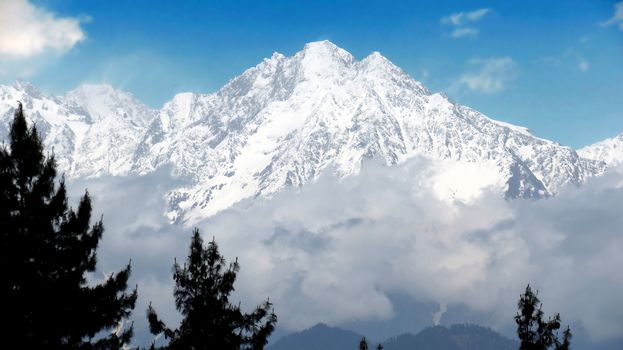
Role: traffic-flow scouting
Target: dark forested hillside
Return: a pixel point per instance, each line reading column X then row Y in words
column 319, row 337
column 456, row 337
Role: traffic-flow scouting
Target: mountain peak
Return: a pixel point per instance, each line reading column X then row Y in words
column 321, row 53
column 377, row 61
column 105, row 90
column 287, row 120
column 277, row 56
column 321, row 45
column 375, row 55
column 27, row 88
column 103, row 101
column 609, row 151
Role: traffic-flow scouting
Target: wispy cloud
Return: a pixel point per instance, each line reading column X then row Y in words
column 27, row 31
column 493, row 75
column 583, row 65
column 460, row 20
column 617, row 18
column 570, row 58
column 465, row 32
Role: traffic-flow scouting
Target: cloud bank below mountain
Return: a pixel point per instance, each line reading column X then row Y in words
column 336, row 249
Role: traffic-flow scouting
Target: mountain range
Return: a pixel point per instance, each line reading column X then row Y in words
column 284, row 122
column 455, row 337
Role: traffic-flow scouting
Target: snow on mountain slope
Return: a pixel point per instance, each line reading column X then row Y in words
column 58, row 124
column 117, row 122
column 92, row 130
column 288, row 119
column 609, row 151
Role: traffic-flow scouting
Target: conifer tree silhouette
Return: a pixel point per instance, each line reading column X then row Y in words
column 210, row 321
column 534, row 332
column 46, row 250
column 363, row 344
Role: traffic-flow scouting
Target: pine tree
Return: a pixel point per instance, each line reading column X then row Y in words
column 379, row 347
column 46, row 250
column 566, row 340
column 210, row 321
column 363, row 344
column 534, row 332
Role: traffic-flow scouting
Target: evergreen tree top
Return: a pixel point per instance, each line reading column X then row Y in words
column 202, row 288
column 46, row 250
column 534, row 332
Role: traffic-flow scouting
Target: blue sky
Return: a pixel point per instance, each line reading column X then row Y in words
column 555, row 67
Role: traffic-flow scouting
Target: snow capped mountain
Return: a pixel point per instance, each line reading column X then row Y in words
column 285, row 121
column 92, row 130
column 609, row 151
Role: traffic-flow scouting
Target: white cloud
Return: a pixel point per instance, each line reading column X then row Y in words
column 571, row 58
column 336, row 250
column 337, row 260
column 465, row 32
column 493, row 76
column 583, row 65
column 617, row 18
column 27, row 31
column 460, row 18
